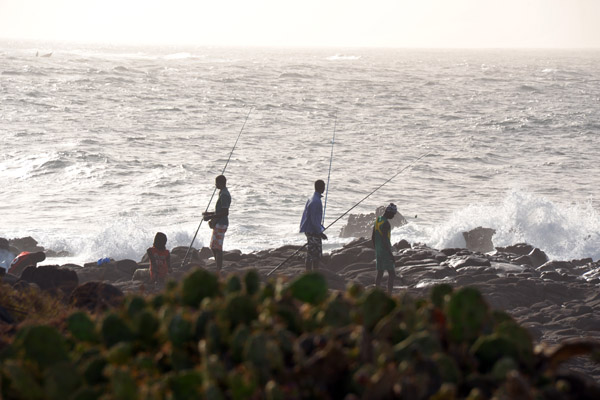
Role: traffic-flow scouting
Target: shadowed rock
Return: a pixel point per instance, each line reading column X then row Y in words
column 26, row 244
column 51, row 277
column 361, row 225
column 96, row 296
column 479, row 239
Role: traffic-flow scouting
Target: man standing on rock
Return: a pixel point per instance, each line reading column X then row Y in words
column 311, row 226
column 384, row 256
column 219, row 220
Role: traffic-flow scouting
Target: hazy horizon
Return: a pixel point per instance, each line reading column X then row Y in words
column 425, row 24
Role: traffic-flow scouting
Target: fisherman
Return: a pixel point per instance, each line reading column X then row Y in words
column 160, row 259
column 218, row 221
column 383, row 247
column 312, row 227
column 24, row 260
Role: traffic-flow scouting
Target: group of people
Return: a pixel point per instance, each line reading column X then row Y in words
column 311, row 225
column 218, row 221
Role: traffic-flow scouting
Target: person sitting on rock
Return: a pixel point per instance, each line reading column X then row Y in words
column 311, row 226
column 383, row 247
column 24, row 260
column 218, row 221
column 160, row 259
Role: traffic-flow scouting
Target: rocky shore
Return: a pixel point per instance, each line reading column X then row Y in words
column 554, row 300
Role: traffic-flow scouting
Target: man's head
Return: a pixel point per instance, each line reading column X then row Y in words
column 390, row 211
column 220, row 182
column 319, row 186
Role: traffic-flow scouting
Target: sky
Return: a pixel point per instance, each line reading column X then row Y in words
column 309, row 23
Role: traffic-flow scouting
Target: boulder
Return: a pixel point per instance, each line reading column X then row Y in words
column 362, row 224
column 51, row 277
column 403, row 244
column 233, row 255
column 26, row 244
column 141, row 274
column 126, row 267
column 469, row 261
column 535, row 258
column 554, row 265
column 520, row 249
column 480, row 239
column 96, row 296
column 111, row 271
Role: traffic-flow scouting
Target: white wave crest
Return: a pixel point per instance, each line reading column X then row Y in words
column 563, row 231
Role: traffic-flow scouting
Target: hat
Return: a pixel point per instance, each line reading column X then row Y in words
column 391, row 208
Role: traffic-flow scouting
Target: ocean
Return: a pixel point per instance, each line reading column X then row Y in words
column 103, row 146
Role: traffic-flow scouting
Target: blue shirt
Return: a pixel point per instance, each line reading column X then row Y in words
column 223, row 202
column 313, row 213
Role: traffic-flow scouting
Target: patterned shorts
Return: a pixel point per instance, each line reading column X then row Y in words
column 216, row 242
column 314, row 250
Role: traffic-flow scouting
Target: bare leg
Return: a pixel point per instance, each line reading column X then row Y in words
column 218, row 259
column 378, row 279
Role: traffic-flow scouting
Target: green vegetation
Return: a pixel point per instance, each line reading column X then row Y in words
column 206, row 338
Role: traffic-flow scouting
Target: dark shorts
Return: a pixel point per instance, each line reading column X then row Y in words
column 314, row 250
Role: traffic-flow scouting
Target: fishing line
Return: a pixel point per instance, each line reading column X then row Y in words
column 215, row 190
column 351, row 208
column 329, row 173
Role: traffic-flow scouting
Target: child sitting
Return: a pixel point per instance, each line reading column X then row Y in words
column 160, row 259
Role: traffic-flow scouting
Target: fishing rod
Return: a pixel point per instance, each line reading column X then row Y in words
column 215, row 190
column 352, row 208
column 329, row 173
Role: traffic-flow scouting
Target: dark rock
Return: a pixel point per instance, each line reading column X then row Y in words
column 538, row 257
column 403, row 244
column 142, row 275
column 520, row 249
column 524, row 260
column 96, row 296
column 450, row 251
column 51, row 277
column 233, row 255
column 10, row 279
column 362, row 224
column 556, row 276
column 360, row 242
column 104, row 272
column 554, row 265
column 26, row 244
column 126, row 267
column 468, row 261
column 480, row 239
column 582, row 262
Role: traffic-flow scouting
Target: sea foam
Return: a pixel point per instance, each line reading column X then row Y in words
column 563, row 231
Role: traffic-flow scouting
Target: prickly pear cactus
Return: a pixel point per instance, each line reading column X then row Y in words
column 209, row 339
column 467, row 314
